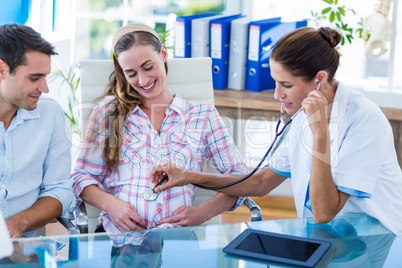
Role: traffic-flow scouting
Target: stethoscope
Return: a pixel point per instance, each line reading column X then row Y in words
column 278, row 132
column 150, row 195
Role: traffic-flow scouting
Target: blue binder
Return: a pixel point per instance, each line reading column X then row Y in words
column 263, row 35
column 182, row 48
column 219, row 49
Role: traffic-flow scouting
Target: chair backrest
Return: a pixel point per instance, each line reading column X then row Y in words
column 191, row 78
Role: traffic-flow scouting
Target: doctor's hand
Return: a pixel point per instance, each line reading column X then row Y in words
column 315, row 106
column 124, row 216
column 186, row 216
column 176, row 176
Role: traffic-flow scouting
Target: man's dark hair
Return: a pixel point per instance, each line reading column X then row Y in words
column 16, row 40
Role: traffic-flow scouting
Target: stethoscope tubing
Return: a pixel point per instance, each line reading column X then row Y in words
column 277, row 134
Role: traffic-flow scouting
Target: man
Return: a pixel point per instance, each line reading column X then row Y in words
column 34, row 144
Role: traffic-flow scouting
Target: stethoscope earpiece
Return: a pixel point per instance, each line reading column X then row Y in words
column 318, row 84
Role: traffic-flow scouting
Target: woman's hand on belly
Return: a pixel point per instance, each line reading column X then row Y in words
column 185, row 216
column 124, row 216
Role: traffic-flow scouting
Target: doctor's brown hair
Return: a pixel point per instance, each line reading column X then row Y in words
column 306, row 51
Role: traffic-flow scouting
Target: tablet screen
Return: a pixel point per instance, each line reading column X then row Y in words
column 278, row 247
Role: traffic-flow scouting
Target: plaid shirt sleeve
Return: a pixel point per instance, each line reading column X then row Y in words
column 90, row 168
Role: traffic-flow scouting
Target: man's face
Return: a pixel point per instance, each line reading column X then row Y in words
column 24, row 87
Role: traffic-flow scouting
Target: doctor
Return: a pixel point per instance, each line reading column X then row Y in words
column 339, row 153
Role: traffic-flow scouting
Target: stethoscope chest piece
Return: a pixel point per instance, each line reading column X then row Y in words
column 150, row 195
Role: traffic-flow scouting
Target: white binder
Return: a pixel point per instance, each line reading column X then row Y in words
column 6, row 247
column 238, row 53
column 200, row 30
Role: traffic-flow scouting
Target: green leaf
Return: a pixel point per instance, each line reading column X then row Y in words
column 332, row 17
column 349, row 37
column 343, row 40
column 72, row 79
column 77, row 83
column 330, row 2
column 68, row 117
column 336, row 2
column 338, row 16
column 326, row 10
column 341, row 10
column 360, row 32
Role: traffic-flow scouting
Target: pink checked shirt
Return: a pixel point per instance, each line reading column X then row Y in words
column 190, row 132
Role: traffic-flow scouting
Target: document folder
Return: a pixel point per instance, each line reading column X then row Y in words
column 200, row 36
column 238, row 53
column 182, row 48
column 263, row 36
column 220, row 41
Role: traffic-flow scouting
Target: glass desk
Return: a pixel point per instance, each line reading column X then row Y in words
column 357, row 241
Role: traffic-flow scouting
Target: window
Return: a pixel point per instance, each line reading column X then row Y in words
column 52, row 18
column 98, row 20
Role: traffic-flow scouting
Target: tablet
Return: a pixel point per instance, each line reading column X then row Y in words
column 275, row 247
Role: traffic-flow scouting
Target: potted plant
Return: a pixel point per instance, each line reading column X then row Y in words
column 334, row 15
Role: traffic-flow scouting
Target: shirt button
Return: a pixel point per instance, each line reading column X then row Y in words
column 159, row 205
column 157, row 146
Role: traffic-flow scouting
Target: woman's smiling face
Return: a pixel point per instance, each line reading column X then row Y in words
column 144, row 69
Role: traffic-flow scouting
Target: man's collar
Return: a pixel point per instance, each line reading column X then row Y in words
column 26, row 114
column 21, row 116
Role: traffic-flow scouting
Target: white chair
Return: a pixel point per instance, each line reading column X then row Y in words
column 191, row 78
